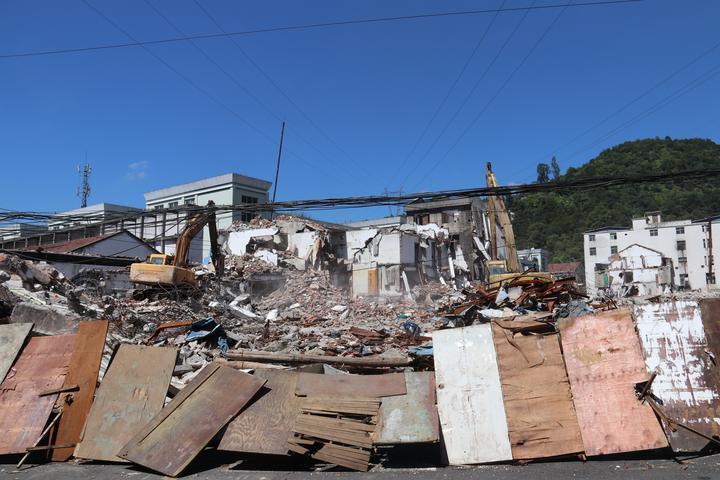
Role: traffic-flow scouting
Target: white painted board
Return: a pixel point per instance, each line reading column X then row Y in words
column 469, row 396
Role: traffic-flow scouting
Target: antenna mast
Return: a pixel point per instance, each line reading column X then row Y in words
column 83, row 191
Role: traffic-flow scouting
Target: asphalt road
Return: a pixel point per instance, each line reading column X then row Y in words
column 705, row 468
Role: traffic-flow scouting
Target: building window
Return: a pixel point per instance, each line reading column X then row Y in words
column 704, row 228
column 592, row 251
column 710, row 278
column 683, row 279
column 172, row 204
column 613, row 236
column 653, row 232
column 704, row 243
column 613, row 249
column 158, row 207
column 682, row 259
column 591, row 238
column 681, row 244
column 679, row 230
column 190, row 201
column 246, row 216
column 248, row 199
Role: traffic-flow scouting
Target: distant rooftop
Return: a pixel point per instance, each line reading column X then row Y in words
column 420, row 204
column 206, row 183
column 607, row 229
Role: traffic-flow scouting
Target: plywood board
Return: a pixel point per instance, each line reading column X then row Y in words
column 42, row 366
column 538, row 404
column 132, row 392
column 469, row 396
column 83, row 372
column 351, row 385
column 604, row 362
column 12, row 339
column 266, row 424
column 175, row 436
column 410, row 418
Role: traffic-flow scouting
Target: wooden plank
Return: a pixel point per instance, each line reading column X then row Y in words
column 42, row 366
column 410, row 418
column 351, row 385
column 540, row 413
column 176, row 435
column 469, row 396
column 12, row 339
column 132, row 392
column 265, row 425
column 83, row 372
column 675, row 347
column 604, row 362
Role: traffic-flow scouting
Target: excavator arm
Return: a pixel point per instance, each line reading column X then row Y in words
column 498, row 210
column 193, row 226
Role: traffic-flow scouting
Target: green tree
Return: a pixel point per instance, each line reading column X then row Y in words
column 543, row 173
column 555, row 168
column 557, row 220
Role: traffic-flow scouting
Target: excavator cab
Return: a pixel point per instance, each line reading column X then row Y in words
column 160, row 259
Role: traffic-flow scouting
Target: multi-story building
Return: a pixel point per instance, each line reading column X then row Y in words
column 162, row 220
column 687, row 243
column 228, row 189
column 464, row 218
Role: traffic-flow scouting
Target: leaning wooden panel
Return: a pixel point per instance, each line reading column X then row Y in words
column 538, row 404
column 190, row 421
column 12, row 339
column 317, row 384
column 42, row 366
column 469, row 396
column 410, row 418
column 83, row 372
column 132, row 392
column 604, row 362
column 266, row 424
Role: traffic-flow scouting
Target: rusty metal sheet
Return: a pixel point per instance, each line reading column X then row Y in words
column 83, row 372
column 175, row 436
column 42, row 366
column 266, row 424
column 12, row 339
column 410, row 418
column 538, row 404
column 132, row 392
column 469, row 396
column 604, row 362
column 351, row 385
column 675, row 347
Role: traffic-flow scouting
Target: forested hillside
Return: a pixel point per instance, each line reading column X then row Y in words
column 556, row 220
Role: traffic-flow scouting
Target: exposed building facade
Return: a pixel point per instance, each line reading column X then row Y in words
column 687, row 243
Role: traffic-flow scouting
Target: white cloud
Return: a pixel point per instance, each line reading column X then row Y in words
column 137, row 170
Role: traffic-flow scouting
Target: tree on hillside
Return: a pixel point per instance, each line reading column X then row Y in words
column 543, row 173
column 555, row 168
column 556, row 220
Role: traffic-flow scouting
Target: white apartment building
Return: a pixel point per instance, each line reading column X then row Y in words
column 228, row 189
column 687, row 243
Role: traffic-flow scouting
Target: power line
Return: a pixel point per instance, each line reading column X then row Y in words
column 686, row 88
column 337, row 23
column 277, row 87
column 447, row 94
column 234, row 80
column 201, row 89
column 496, row 94
column 577, row 184
column 469, row 95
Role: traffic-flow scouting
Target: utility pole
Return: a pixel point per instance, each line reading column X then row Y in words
column 83, row 191
column 277, row 169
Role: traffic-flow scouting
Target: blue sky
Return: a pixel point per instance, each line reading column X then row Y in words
column 371, row 89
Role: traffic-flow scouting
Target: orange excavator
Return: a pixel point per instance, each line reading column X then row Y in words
column 161, row 270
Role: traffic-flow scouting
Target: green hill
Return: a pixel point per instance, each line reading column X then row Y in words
column 556, row 220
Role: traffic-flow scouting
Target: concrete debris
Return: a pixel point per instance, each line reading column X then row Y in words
column 48, row 320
